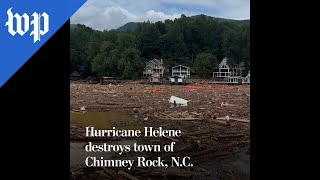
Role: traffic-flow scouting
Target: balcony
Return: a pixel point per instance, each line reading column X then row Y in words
column 178, row 71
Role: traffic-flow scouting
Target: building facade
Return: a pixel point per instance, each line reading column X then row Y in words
column 154, row 70
column 181, row 71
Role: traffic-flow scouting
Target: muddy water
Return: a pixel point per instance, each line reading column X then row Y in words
column 103, row 120
column 98, row 120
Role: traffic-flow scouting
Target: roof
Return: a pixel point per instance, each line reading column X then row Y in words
column 75, row 74
column 223, row 63
column 148, row 66
column 154, row 61
column 179, row 66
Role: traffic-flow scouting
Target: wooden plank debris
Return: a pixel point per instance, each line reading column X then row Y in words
column 185, row 174
column 235, row 119
column 111, row 172
column 122, row 173
column 178, row 119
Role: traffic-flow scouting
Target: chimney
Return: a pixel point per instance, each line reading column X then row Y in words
column 161, row 61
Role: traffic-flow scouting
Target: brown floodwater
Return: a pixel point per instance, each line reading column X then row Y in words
column 99, row 120
column 103, row 120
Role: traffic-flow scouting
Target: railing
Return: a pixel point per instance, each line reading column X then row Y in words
column 180, row 71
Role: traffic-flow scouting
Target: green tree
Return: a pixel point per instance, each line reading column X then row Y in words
column 204, row 64
column 99, row 65
column 199, row 42
column 130, row 64
column 148, row 41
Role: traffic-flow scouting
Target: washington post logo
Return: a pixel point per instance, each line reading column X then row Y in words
column 23, row 24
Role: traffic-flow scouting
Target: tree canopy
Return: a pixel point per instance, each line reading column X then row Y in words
column 200, row 42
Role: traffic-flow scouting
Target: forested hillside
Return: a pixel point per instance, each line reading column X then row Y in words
column 199, row 42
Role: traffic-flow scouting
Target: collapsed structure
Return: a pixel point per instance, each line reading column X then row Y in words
column 75, row 76
column 230, row 75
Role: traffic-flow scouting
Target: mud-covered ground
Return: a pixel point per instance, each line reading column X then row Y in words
column 218, row 145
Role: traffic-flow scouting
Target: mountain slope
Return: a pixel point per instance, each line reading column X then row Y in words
column 129, row 27
column 132, row 26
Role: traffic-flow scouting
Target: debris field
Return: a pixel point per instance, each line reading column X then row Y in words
column 215, row 127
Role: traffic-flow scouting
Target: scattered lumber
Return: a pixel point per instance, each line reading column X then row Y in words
column 207, row 151
column 199, row 132
column 176, row 140
column 111, row 172
column 122, row 173
column 111, row 106
column 185, row 174
column 231, row 136
column 220, row 121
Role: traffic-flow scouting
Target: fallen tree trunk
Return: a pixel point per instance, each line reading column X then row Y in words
column 220, row 121
column 235, row 119
column 109, row 103
column 240, row 120
column 178, row 119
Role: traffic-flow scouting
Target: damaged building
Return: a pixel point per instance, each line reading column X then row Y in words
column 154, row 70
column 226, row 74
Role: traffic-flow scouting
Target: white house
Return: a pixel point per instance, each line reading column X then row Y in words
column 181, row 71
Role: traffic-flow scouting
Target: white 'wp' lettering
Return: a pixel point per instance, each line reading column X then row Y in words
column 36, row 22
column 37, row 31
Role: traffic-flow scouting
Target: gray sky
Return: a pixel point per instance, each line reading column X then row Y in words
column 111, row 14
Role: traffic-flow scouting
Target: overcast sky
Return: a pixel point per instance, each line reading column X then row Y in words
column 111, row 14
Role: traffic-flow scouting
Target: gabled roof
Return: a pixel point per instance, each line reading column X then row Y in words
column 224, row 67
column 75, row 74
column 179, row 66
column 154, row 61
column 223, row 63
column 148, row 66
